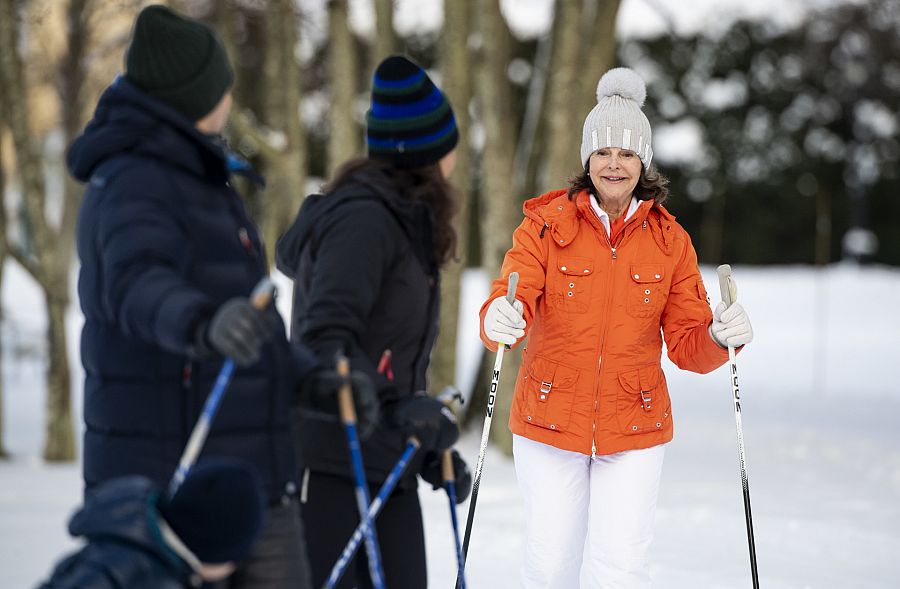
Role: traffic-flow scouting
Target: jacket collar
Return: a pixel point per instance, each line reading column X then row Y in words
column 562, row 217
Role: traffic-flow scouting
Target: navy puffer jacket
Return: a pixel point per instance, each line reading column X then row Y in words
column 163, row 241
column 125, row 547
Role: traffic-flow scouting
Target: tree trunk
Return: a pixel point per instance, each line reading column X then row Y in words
column 344, row 136
column 59, row 445
column 563, row 129
column 599, row 49
column 48, row 254
column 286, row 169
column 385, row 37
column 501, row 213
column 457, row 84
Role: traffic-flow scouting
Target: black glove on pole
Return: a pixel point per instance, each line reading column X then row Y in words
column 432, row 472
column 319, row 390
column 237, row 330
column 429, row 420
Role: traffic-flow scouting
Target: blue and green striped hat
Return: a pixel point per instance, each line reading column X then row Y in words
column 410, row 121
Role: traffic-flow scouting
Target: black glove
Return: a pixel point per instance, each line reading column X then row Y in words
column 431, row 472
column 320, row 388
column 432, row 422
column 237, row 330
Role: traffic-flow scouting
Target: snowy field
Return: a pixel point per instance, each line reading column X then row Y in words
column 820, row 410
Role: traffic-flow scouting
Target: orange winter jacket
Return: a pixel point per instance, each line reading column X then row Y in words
column 590, row 379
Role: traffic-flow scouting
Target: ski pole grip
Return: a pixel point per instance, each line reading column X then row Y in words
column 262, row 293
column 447, row 466
column 345, row 393
column 726, row 284
column 511, row 288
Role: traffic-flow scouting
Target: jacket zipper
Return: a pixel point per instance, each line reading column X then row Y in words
column 613, row 259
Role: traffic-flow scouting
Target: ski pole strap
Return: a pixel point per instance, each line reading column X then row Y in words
column 726, row 284
column 374, row 510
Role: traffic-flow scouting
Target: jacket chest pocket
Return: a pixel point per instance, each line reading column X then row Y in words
column 572, row 282
column 548, row 389
column 642, row 403
column 646, row 295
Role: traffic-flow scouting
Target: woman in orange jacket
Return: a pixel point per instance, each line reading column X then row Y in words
column 605, row 274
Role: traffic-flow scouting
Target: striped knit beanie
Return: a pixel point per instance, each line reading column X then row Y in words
column 410, row 122
column 617, row 120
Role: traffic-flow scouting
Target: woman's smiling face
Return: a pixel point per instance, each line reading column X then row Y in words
column 615, row 172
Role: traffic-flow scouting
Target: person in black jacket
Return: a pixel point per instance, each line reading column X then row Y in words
column 365, row 259
column 168, row 258
column 137, row 538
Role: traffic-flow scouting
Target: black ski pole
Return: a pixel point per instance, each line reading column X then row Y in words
column 486, row 429
column 729, row 296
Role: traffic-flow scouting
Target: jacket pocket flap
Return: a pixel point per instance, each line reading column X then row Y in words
column 644, row 379
column 644, row 273
column 649, row 377
column 552, row 374
column 572, row 266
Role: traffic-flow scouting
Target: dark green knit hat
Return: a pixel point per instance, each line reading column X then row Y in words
column 410, row 121
column 179, row 61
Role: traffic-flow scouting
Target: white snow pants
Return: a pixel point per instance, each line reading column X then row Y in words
column 580, row 508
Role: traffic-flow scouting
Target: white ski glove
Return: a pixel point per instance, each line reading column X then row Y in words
column 731, row 326
column 503, row 323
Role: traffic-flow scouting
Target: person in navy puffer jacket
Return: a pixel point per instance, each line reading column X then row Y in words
column 168, row 258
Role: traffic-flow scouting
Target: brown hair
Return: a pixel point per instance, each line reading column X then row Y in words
column 652, row 185
column 425, row 184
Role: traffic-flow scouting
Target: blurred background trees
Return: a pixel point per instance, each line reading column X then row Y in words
column 781, row 143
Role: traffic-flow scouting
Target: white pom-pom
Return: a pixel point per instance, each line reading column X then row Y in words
column 624, row 82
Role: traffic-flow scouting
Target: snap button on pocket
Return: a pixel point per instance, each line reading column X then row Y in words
column 637, row 276
column 563, row 268
column 529, row 418
column 657, row 276
column 552, row 426
column 647, row 291
column 634, row 428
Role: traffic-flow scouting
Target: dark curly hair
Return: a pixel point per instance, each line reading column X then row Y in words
column 425, row 184
column 652, row 185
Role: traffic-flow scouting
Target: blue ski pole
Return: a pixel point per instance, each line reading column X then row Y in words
column 450, row 483
column 374, row 509
column 260, row 297
column 348, row 417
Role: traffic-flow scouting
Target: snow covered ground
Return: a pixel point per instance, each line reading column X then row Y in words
column 820, row 409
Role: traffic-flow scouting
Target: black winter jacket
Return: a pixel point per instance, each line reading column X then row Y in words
column 125, row 547
column 364, row 282
column 164, row 240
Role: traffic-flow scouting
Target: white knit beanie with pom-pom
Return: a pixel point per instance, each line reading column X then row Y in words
column 617, row 120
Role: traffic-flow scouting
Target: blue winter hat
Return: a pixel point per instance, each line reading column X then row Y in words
column 410, row 121
column 218, row 511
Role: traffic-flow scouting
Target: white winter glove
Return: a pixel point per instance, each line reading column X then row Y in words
column 503, row 323
column 731, row 326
